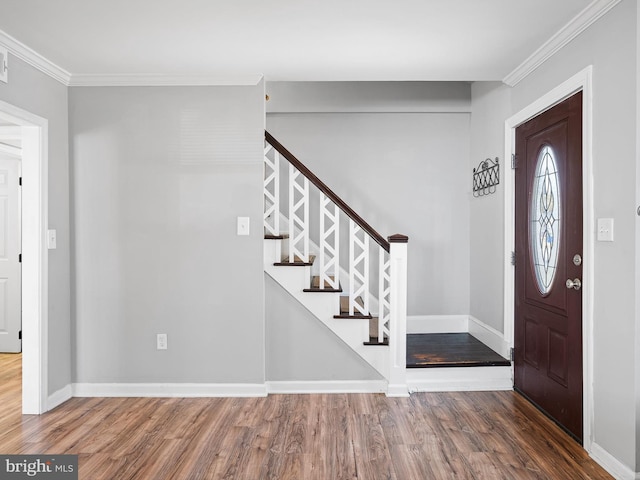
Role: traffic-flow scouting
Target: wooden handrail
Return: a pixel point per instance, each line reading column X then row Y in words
column 379, row 239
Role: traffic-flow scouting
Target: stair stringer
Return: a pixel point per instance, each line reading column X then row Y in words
column 352, row 331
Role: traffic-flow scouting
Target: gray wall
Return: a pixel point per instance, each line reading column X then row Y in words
column 491, row 105
column 159, row 176
column 32, row 90
column 371, row 97
column 637, row 329
column 300, row 348
column 403, row 172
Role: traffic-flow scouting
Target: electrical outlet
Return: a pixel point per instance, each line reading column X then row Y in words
column 161, row 340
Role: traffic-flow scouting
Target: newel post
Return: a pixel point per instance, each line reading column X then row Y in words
column 398, row 322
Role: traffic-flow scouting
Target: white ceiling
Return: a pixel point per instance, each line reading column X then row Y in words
column 461, row 40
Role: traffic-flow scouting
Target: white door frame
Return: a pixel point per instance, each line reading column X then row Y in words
column 580, row 81
column 35, row 260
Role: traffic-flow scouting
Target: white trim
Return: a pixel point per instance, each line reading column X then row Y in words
column 571, row 30
column 9, row 133
column 488, row 335
column 459, row 379
column 35, row 265
column 46, row 66
column 185, row 390
column 580, row 81
column 328, row 386
column 34, row 59
column 611, row 464
column 58, row 398
column 155, row 80
column 398, row 320
column 437, row 323
column 10, row 150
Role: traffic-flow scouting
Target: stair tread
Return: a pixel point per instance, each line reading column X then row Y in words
column 315, row 281
column 298, row 262
column 276, row 237
column 323, row 290
column 373, row 333
column 344, row 308
column 346, row 315
column 315, row 285
column 373, row 341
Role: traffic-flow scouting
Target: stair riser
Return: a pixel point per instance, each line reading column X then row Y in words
column 463, row 379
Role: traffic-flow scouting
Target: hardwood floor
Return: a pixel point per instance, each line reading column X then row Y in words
column 478, row 435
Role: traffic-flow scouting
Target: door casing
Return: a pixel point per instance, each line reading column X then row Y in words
column 582, row 81
column 35, row 258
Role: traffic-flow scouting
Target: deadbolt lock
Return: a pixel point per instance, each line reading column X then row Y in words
column 577, row 260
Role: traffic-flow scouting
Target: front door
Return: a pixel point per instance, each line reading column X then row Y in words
column 548, row 263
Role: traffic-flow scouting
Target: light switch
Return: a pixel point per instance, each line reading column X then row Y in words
column 605, row 229
column 243, row 225
column 51, row 239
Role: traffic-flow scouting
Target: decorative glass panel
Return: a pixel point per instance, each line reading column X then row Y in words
column 545, row 220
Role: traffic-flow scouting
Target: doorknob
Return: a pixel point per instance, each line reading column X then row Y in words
column 576, row 284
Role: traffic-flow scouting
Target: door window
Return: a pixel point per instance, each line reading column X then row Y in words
column 545, row 219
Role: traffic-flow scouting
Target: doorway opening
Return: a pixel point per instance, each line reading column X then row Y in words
column 582, row 81
column 34, row 303
column 10, row 242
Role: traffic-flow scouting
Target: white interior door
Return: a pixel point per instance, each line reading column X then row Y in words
column 10, row 266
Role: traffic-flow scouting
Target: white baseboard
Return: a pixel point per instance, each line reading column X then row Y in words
column 58, row 398
column 328, row 386
column 437, row 323
column 611, row 464
column 398, row 390
column 169, row 390
column 459, row 379
column 489, row 336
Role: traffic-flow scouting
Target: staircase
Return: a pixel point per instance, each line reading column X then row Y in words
column 363, row 304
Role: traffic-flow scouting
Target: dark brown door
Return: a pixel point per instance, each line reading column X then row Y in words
column 548, row 267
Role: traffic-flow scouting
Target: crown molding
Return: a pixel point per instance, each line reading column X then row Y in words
column 39, row 62
column 571, row 30
column 158, row 80
column 34, row 59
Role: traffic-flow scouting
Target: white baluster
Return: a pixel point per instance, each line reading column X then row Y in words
column 358, row 270
column 271, row 192
column 384, row 294
column 329, row 243
column 298, row 216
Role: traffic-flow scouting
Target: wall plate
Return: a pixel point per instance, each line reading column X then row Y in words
column 4, row 65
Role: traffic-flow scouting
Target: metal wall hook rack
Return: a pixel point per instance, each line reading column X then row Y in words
column 486, row 177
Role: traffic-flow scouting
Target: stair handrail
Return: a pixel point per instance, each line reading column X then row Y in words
column 291, row 158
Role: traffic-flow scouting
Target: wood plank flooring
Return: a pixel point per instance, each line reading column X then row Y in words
column 479, row 435
column 450, row 350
